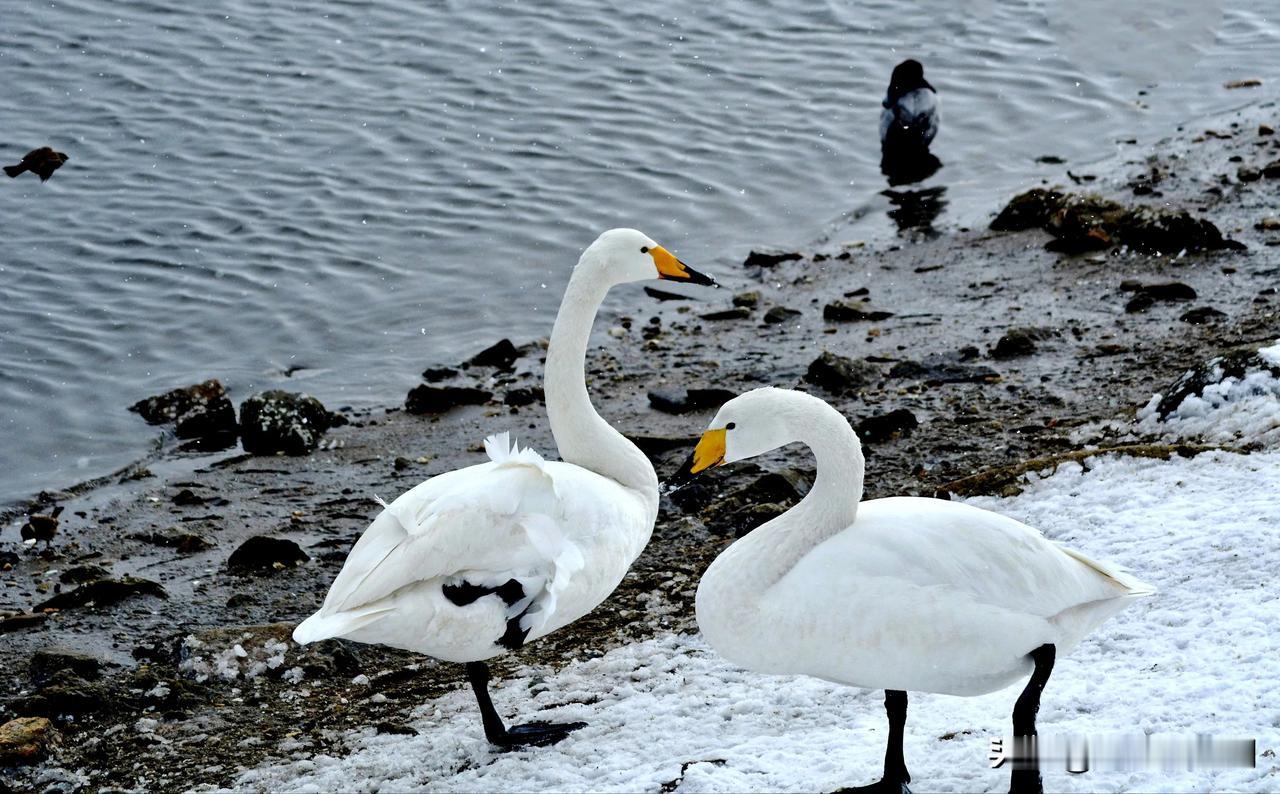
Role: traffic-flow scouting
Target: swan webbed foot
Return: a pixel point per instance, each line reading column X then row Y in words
column 535, row 734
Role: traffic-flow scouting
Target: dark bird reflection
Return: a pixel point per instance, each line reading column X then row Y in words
column 916, row 210
column 42, row 162
column 909, row 165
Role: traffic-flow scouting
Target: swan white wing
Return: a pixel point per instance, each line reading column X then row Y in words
column 490, row 523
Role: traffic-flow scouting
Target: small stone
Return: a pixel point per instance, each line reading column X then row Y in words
column 1266, row 129
column 840, row 373
column 500, row 355
column 176, row 539
column 83, row 573
column 437, row 374
column 439, row 399
column 779, row 314
column 941, row 368
column 767, row 259
column 279, row 421
column 1247, row 174
column 26, row 740
column 1268, row 225
column 747, row 300
column 1201, row 315
column 676, row 401
column 736, row 313
column 1029, row 210
column 401, row 463
column 1272, row 170
column 261, row 554
column 1018, row 342
column 1169, row 291
column 1249, row 82
column 22, row 620
column 852, row 311
column 187, row 497
column 103, row 592
column 525, row 395
column 882, row 427
column 47, row 662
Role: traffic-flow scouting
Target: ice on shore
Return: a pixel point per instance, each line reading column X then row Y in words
column 1200, row 657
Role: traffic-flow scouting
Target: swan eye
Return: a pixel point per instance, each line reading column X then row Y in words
column 644, row 249
column 731, row 426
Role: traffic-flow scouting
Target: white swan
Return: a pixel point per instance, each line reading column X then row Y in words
column 899, row 594
column 478, row 561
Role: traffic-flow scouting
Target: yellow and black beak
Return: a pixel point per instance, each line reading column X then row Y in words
column 673, row 269
column 709, row 452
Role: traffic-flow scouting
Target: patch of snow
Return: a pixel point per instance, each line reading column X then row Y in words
column 202, row 663
column 1199, row 657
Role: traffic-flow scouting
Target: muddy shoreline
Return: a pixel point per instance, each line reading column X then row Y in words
column 1000, row 350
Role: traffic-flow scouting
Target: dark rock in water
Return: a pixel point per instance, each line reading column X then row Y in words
column 678, row 401
column 1018, row 342
column 500, row 355
column 1139, row 303
column 526, row 395
column 201, row 411
column 736, row 313
column 83, row 573
column 439, row 399
column 279, row 421
column 883, row 427
column 104, row 592
column 839, row 373
column 26, row 740
column 852, row 311
column 1201, row 315
column 1029, row 210
column 260, row 554
column 767, row 259
column 47, row 662
column 940, row 368
column 1087, row 222
column 1233, row 364
column 746, row 300
column 779, row 314
column 437, row 374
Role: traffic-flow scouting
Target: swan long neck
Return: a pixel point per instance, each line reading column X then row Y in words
column 831, row 504
column 830, row 507
column 582, row 436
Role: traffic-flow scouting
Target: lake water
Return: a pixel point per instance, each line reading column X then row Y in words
column 259, row 186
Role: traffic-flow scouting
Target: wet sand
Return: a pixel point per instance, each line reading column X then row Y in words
column 951, row 296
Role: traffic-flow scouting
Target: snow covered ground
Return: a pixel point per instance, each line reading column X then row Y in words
column 1203, row 656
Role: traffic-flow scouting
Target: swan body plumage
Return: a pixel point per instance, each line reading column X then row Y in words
column 565, row 533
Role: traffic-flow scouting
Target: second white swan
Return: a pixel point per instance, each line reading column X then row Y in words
column 899, row 594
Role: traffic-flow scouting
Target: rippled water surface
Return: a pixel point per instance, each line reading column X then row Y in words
column 362, row 191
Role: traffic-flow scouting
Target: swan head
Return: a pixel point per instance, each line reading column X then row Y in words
column 621, row 256
column 750, row 424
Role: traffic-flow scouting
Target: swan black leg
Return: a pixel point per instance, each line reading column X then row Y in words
column 535, row 734
column 895, row 776
column 1027, row 780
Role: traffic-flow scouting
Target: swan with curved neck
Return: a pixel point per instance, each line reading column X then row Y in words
column 903, row 593
column 478, row 561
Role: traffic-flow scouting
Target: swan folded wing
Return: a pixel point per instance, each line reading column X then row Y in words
column 487, row 523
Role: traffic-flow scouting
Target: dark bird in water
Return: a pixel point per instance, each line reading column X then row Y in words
column 908, row 124
column 42, row 162
column 42, row 527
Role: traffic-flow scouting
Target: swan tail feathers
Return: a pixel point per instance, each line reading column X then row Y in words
column 1133, row 586
column 322, row 627
column 501, row 449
